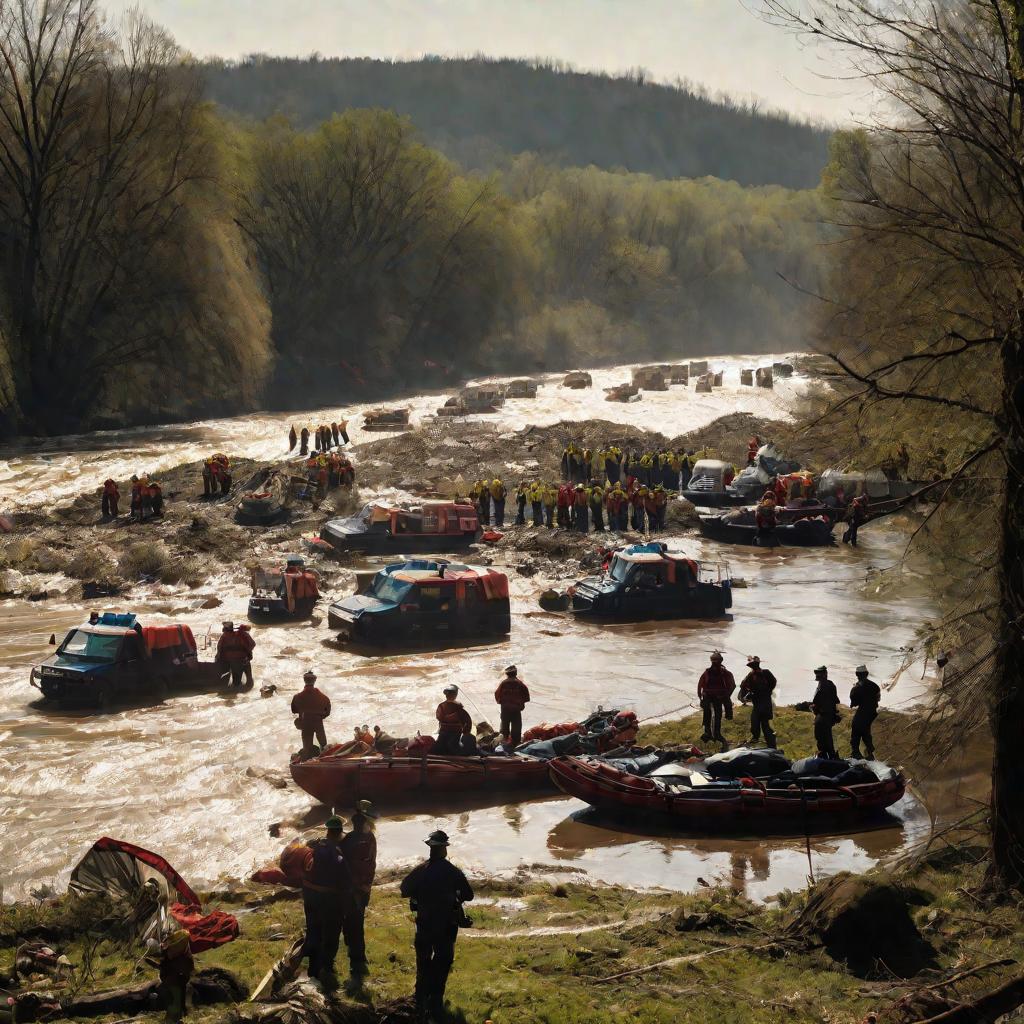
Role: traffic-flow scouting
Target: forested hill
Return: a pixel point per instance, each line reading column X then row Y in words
column 478, row 111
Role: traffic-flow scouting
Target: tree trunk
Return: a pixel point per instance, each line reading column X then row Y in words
column 1008, row 696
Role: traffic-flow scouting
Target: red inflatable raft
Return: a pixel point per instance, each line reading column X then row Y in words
column 702, row 801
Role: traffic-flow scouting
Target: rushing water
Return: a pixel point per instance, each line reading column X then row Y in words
column 185, row 777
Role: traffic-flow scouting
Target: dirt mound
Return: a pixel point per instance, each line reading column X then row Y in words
column 864, row 921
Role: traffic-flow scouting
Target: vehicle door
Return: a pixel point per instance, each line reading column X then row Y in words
column 645, row 589
column 132, row 665
column 438, row 609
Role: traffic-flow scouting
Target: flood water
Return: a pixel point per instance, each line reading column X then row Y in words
column 184, row 778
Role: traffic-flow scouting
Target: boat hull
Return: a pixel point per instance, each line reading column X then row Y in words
column 611, row 790
column 341, row 781
column 380, row 543
column 803, row 533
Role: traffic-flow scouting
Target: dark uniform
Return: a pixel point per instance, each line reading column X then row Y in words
column 453, row 723
column 824, row 704
column 436, row 890
column 864, row 699
column 360, row 852
column 326, row 896
column 757, row 688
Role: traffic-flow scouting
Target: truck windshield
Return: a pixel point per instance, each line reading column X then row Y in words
column 619, row 569
column 90, row 646
column 387, row 588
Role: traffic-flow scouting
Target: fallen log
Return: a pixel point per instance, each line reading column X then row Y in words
column 986, row 1008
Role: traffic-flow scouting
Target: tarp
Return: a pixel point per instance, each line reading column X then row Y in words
column 127, row 872
column 495, row 586
column 160, row 638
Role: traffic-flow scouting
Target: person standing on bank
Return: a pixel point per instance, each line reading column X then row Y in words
column 436, row 891
column 756, row 690
column 359, row 849
column 326, row 895
column 864, row 699
column 714, row 690
column 512, row 695
column 824, row 704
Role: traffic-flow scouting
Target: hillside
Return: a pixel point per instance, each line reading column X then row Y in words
column 480, row 111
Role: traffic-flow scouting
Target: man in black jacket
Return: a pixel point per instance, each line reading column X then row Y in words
column 824, row 705
column 864, row 699
column 436, row 891
column 756, row 690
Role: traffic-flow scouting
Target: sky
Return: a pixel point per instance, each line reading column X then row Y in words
column 720, row 44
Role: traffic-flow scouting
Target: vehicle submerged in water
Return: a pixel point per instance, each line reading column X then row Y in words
column 740, row 527
column 279, row 595
column 425, row 602
column 738, row 787
column 647, row 581
column 340, row 776
column 381, row 529
column 115, row 659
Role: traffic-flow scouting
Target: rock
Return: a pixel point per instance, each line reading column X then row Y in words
column 527, row 568
column 211, row 602
column 864, row 921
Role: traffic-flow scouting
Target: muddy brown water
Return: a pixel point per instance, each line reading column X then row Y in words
column 183, row 778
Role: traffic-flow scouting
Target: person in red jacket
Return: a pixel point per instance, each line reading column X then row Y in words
column 565, row 499
column 359, row 848
column 714, row 691
column 111, row 496
column 311, row 706
column 512, row 695
column 233, row 652
column 246, row 630
column 453, row 723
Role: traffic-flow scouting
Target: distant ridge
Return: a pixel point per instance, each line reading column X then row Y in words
column 479, row 111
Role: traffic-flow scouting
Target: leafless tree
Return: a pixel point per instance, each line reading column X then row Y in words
column 937, row 185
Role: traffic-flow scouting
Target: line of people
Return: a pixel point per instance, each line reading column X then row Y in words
column 324, row 437
column 328, row 470
column 717, row 685
column 671, row 469
column 147, row 499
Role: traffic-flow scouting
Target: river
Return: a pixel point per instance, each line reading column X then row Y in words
column 184, row 778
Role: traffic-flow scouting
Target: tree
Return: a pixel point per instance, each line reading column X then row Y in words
column 937, row 188
column 100, row 140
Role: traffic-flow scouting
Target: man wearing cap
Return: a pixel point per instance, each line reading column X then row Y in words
column 756, row 690
column 359, row 849
column 233, row 652
column 436, row 891
column 311, row 706
column 824, row 704
column 512, row 696
column 453, row 722
column 714, row 690
column 864, row 698
column 326, row 896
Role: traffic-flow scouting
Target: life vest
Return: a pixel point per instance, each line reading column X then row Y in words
column 452, row 717
column 581, row 497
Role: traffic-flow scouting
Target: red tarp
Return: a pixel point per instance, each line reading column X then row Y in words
column 495, row 585
column 161, row 637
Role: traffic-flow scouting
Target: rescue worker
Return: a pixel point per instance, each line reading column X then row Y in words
column 382, row 741
column 612, row 506
column 246, row 630
column 311, row 706
column 111, row 496
column 597, row 507
column 756, row 690
column 824, row 704
column 650, row 508
column 326, row 896
column 135, row 508
column 753, row 445
column 156, row 498
column 537, row 503
column 864, row 699
column 498, row 495
column 483, row 502
column 453, row 723
column 436, row 891
column 588, row 465
column 565, row 497
column 714, row 691
column 765, row 518
column 521, row 493
column 209, row 486
column 362, row 734
column 550, row 499
column 685, row 469
column 304, row 438
column 334, row 434
column 512, row 696
column 293, row 439
column 856, row 516
column 343, row 430
column 580, row 508
column 636, row 505
column 232, row 652
column 359, row 848
column 660, row 506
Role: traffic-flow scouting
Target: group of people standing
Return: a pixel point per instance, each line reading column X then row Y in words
column 325, row 437
column 216, row 475
column 717, row 685
column 611, row 464
column 234, row 654
column 147, row 499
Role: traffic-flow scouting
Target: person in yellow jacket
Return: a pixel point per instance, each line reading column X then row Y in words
column 550, row 500
column 498, row 494
column 581, row 508
column 537, row 503
column 597, row 507
column 522, row 496
column 646, row 469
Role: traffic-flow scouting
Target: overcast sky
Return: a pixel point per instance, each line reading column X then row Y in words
column 718, row 43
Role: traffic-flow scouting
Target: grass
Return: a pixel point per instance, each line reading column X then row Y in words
column 563, row 978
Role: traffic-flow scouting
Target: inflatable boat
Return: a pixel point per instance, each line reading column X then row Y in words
column 809, row 532
column 741, row 785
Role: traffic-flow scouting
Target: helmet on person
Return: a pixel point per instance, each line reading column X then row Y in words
column 334, row 824
column 228, row 624
column 437, row 838
column 450, row 688
column 511, row 670
column 716, row 657
column 309, row 677
column 753, row 661
column 821, row 670
column 861, row 670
